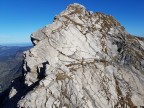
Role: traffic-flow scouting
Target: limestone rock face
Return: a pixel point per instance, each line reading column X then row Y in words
column 83, row 60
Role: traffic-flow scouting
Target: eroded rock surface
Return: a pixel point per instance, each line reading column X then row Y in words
column 84, row 60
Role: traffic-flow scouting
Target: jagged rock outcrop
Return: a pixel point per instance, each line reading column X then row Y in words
column 83, row 60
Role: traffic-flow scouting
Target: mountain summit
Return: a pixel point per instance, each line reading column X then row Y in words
column 82, row 60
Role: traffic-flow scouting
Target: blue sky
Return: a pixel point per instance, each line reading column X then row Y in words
column 19, row 18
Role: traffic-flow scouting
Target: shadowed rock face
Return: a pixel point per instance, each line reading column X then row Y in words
column 83, row 59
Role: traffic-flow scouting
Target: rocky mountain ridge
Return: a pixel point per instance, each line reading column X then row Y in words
column 83, row 59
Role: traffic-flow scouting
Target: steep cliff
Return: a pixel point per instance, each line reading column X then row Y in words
column 83, row 60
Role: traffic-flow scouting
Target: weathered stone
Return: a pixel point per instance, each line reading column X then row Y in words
column 84, row 59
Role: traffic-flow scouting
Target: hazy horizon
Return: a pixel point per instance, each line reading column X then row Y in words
column 17, row 44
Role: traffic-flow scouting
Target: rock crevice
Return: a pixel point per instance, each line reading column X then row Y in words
column 84, row 59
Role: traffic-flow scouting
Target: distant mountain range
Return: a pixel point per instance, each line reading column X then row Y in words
column 17, row 44
column 11, row 58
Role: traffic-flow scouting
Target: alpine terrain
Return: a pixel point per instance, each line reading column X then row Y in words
column 82, row 60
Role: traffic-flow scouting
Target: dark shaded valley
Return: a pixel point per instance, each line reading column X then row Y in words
column 11, row 60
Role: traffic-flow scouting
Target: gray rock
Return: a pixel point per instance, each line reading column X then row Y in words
column 84, row 59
